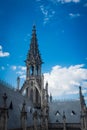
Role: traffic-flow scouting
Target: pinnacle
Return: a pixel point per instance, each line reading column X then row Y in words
column 34, row 54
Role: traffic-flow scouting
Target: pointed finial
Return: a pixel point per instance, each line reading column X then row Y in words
column 46, row 83
column 34, row 28
column 23, row 108
column 64, row 117
column 11, row 106
column 46, row 86
column 50, row 97
column 83, row 100
column 23, row 116
column 18, row 83
column 80, row 92
column 80, row 87
column 34, row 31
column 18, row 78
column 64, row 121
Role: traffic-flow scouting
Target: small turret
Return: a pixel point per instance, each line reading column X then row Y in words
column 46, row 88
column 33, row 83
column 23, row 117
column 51, row 97
column 64, row 121
column 33, row 60
column 18, row 83
column 80, row 94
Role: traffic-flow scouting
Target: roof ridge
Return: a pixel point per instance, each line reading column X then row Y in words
column 64, row 100
column 6, row 84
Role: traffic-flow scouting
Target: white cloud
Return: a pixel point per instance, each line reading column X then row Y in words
column 22, row 67
column 47, row 13
column 21, row 70
column 23, row 76
column 67, row 1
column 64, row 1
column 44, row 11
column 74, row 15
column 13, row 67
column 66, row 80
column 3, row 54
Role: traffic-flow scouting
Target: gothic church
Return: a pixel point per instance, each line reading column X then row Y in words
column 36, row 110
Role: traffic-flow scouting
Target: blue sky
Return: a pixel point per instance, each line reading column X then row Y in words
column 62, row 38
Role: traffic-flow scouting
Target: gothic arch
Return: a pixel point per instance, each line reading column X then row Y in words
column 35, row 84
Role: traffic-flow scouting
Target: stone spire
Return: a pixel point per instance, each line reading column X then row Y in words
column 46, row 88
column 34, row 83
column 33, row 56
column 23, row 117
column 50, row 97
column 64, row 121
column 18, row 83
column 81, row 96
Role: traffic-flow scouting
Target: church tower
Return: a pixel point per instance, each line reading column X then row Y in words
column 34, row 79
column 33, row 61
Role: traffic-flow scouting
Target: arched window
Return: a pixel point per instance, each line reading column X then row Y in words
column 31, row 70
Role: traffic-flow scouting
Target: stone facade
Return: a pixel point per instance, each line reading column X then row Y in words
column 36, row 110
column 34, row 83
